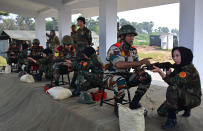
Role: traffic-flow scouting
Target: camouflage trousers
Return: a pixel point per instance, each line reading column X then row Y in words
column 119, row 83
column 58, row 69
column 47, row 69
column 85, row 84
column 80, row 48
column 178, row 99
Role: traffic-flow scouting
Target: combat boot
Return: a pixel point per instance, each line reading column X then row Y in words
column 134, row 104
column 170, row 124
column 117, row 100
column 76, row 91
column 73, row 85
column 186, row 113
column 171, row 120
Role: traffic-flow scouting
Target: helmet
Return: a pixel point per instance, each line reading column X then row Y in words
column 89, row 51
column 67, row 40
column 35, row 42
column 82, row 19
column 127, row 29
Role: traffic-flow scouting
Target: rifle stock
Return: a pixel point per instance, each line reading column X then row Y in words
column 164, row 66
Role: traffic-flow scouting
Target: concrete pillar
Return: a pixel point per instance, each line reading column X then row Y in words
column 107, row 25
column 191, row 30
column 40, row 30
column 64, row 14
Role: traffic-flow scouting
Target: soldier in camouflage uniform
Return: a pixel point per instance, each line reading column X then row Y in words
column 23, row 54
column 45, row 64
column 53, row 41
column 13, row 54
column 184, row 91
column 90, row 73
column 83, row 37
column 73, row 28
column 63, row 52
column 121, row 57
column 34, row 52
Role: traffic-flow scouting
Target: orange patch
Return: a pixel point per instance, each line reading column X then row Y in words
column 182, row 74
column 123, row 53
column 84, row 64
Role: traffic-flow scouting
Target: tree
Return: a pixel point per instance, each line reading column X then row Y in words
column 162, row 30
column 8, row 24
column 2, row 13
column 93, row 25
column 24, row 23
column 124, row 22
column 175, row 31
column 147, row 26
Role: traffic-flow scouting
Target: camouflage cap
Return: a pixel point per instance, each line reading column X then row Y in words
column 127, row 29
column 36, row 42
column 67, row 40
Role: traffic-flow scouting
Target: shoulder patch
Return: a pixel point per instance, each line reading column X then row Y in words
column 182, row 74
column 117, row 44
column 84, row 63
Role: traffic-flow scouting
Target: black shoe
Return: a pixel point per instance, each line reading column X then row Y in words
column 76, row 92
column 186, row 113
column 38, row 77
column 56, row 83
column 170, row 124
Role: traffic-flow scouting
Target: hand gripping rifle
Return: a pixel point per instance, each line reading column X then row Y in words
column 165, row 66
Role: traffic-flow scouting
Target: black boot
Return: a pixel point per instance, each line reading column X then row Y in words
column 117, row 100
column 73, row 85
column 56, row 83
column 171, row 121
column 76, row 91
column 186, row 113
column 134, row 104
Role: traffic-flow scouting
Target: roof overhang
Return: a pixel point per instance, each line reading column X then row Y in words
column 88, row 8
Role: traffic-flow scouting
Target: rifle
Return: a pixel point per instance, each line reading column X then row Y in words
column 165, row 66
column 70, row 58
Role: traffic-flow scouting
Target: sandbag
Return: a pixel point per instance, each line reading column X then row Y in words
column 8, row 69
column 59, row 93
column 27, row 78
column 131, row 120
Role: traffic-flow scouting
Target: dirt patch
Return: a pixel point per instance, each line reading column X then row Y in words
column 156, row 53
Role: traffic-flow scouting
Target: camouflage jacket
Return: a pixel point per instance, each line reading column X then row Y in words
column 13, row 51
column 116, row 54
column 83, row 37
column 91, row 69
column 63, row 53
column 187, row 80
column 35, row 52
column 53, row 43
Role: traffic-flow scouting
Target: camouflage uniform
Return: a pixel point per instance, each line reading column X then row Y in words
column 90, row 73
column 118, row 79
column 59, row 67
column 82, row 39
column 45, row 65
column 13, row 54
column 53, row 42
column 34, row 52
column 184, row 91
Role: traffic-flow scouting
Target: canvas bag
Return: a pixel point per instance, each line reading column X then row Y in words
column 131, row 120
column 59, row 93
